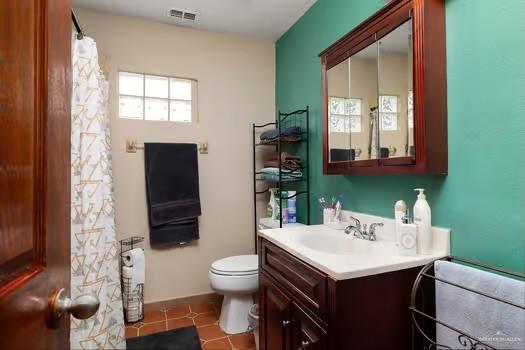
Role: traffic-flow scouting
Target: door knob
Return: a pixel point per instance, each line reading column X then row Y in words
column 305, row 344
column 286, row 323
column 84, row 306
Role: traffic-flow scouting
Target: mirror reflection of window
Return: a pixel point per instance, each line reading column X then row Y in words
column 388, row 112
column 345, row 114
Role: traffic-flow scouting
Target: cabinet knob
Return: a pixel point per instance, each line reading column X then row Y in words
column 305, row 344
column 286, row 323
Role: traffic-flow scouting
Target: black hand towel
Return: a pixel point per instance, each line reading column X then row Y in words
column 172, row 188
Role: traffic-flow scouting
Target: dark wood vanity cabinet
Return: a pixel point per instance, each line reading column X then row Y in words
column 275, row 315
column 302, row 308
column 306, row 333
column 284, row 324
column 385, row 93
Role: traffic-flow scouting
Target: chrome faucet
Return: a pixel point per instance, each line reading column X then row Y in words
column 364, row 233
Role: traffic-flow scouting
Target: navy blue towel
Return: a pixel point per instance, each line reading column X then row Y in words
column 172, row 188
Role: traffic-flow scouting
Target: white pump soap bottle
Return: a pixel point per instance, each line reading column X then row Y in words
column 422, row 218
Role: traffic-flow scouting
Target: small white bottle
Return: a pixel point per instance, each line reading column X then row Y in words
column 400, row 210
column 408, row 239
column 422, row 218
column 271, row 204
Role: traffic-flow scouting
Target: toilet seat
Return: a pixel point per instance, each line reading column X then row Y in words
column 240, row 265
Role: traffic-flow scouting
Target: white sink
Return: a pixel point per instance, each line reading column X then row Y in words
column 339, row 243
column 343, row 256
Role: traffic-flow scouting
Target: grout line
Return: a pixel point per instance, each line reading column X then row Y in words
column 230, row 341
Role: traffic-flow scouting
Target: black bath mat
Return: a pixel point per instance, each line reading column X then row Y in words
column 177, row 339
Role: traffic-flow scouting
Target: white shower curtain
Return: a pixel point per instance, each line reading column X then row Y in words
column 94, row 249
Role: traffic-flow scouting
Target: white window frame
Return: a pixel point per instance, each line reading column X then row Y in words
column 349, row 115
column 193, row 101
column 395, row 114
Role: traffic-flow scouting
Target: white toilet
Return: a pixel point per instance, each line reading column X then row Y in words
column 237, row 278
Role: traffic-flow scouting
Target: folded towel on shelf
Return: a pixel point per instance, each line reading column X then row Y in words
column 497, row 324
column 288, row 161
column 172, row 188
column 282, row 139
column 292, row 133
column 272, row 174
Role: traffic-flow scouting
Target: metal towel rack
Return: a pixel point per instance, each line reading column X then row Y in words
column 132, row 146
column 425, row 324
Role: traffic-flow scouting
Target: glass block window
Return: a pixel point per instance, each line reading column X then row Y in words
column 158, row 98
column 410, row 111
column 388, row 112
column 345, row 114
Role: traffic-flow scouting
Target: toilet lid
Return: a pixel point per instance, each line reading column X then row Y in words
column 240, row 264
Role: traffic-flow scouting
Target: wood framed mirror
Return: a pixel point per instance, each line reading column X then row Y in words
column 384, row 93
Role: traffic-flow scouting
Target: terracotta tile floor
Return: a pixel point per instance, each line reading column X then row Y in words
column 204, row 316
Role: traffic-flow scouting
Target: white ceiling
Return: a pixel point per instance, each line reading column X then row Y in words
column 267, row 19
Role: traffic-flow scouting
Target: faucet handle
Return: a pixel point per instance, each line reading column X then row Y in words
column 357, row 223
column 373, row 227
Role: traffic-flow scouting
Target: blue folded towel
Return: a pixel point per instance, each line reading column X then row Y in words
column 274, row 134
column 272, row 174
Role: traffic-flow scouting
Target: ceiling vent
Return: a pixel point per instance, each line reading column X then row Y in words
column 184, row 15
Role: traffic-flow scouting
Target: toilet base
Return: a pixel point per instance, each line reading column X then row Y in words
column 234, row 313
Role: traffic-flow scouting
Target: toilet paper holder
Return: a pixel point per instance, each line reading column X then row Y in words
column 132, row 300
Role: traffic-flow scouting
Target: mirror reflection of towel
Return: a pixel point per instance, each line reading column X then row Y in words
column 172, row 187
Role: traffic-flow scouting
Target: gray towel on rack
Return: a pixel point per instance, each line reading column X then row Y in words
column 285, row 132
column 172, row 188
column 497, row 324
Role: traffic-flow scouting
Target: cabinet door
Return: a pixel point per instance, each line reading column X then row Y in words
column 275, row 316
column 306, row 333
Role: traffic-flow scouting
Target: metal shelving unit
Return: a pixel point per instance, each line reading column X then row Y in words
column 299, row 118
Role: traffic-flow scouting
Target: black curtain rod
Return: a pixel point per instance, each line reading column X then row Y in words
column 76, row 23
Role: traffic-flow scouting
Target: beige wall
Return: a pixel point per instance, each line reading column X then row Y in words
column 235, row 88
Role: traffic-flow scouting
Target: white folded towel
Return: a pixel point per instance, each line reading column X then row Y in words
column 497, row 324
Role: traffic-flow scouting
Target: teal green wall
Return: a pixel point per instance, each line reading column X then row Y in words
column 483, row 197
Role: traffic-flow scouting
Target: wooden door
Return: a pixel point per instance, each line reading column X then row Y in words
column 35, row 94
column 306, row 333
column 275, row 316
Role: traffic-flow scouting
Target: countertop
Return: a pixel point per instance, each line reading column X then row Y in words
column 363, row 258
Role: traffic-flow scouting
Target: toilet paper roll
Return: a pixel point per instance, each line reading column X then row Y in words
column 135, row 261
column 127, row 272
column 131, row 257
